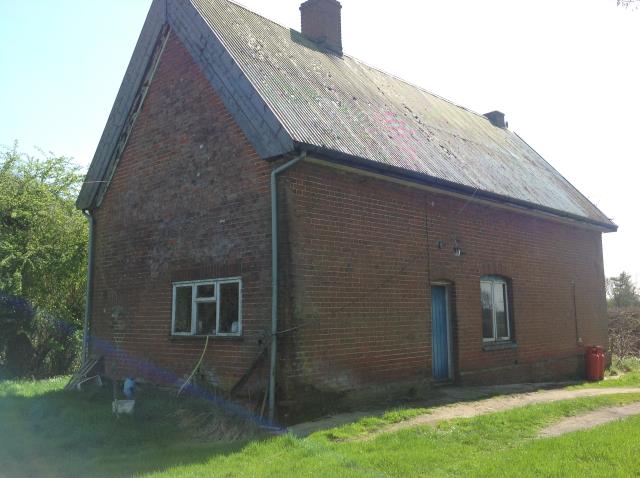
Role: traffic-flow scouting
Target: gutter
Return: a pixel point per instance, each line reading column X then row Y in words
column 395, row 172
column 88, row 297
column 274, row 280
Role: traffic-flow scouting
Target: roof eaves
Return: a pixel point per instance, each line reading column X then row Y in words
column 444, row 185
column 563, row 177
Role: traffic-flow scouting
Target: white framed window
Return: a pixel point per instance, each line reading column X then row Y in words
column 207, row 307
column 496, row 323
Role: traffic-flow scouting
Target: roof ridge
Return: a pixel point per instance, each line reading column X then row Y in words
column 364, row 63
column 414, row 85
column 244, row 7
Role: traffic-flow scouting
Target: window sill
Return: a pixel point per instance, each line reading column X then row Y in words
column 491, row 346
column 216, row 338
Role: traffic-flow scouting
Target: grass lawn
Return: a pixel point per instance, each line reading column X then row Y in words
column 631, row 379
column 623, row 373
column 47, row 432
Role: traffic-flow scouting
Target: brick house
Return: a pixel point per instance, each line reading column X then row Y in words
column 337, row 233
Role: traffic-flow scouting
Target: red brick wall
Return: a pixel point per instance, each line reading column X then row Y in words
column 189, row 200
column 321, row 22
column 363, row 252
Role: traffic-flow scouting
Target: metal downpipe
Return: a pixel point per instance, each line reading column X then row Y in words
column 274, row 281
column 88, row 297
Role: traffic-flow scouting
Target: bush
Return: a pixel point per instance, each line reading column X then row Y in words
column 32, row 344
column 624, row 340
column 43, row 247
column 624, row 332
column 620, row 365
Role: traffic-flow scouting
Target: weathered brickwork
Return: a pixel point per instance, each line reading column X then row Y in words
column 363, row 252
column 190, row 200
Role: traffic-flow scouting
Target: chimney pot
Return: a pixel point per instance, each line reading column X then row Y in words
column 321, row 23
column 497, row 119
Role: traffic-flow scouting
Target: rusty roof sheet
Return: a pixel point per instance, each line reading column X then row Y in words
column 340, row 104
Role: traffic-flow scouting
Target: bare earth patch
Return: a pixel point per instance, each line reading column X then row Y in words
column 495, row 404
column 590, row 420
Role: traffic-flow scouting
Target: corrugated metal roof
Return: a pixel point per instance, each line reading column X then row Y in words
column 286, row 92
column 340, row 104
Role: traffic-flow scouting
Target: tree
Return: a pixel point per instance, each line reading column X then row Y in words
column 622, row 292
column 43, row 244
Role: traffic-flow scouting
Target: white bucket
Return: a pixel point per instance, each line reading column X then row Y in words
column 123, row 407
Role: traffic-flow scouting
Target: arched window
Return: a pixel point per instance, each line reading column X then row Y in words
column 496, row 323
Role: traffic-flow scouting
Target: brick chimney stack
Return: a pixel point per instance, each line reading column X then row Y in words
column 321, row 23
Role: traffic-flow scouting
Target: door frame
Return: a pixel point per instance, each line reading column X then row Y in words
column 447, row 299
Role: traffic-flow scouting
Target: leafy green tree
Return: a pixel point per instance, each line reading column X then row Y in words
column 622, row 292
column 43, row 244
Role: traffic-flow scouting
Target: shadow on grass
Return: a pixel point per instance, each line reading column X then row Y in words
column 57, row 433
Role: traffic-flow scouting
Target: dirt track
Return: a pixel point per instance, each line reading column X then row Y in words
column 497, row 404
column 590, row 420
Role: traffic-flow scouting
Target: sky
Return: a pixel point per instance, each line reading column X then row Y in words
column 565, row 73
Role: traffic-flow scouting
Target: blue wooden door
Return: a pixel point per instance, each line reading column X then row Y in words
column 440, row 332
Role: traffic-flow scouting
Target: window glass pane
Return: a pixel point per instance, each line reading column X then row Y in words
column 206, row 291
column 206, row 318
column 229, row 308
column 183, row 310
column 500, row 305
column 487, row 310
